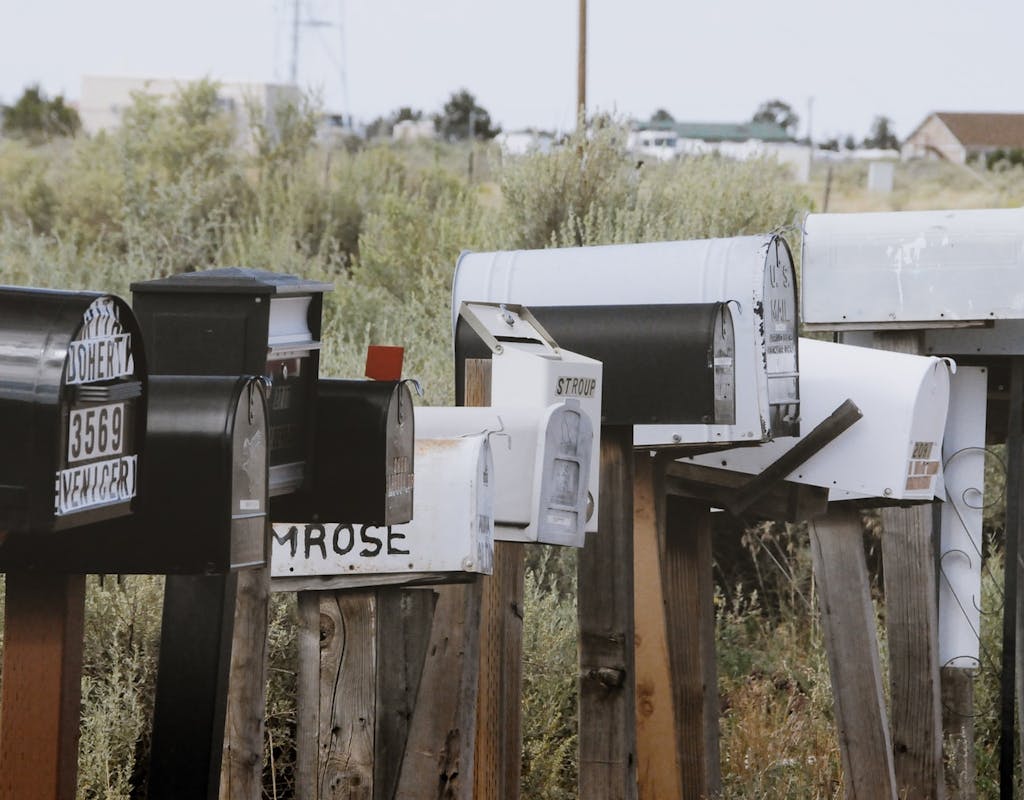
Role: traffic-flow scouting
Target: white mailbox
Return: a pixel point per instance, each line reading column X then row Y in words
column 895, row 450
column 913, row 269
column 530, row 370
column 542, row 459
column 452, row 530
column 754, row 275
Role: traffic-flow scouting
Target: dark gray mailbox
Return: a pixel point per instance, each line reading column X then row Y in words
column 203, row 506
column 72, row 408
column 662, row 363
column 240, row 321
column 363, row 456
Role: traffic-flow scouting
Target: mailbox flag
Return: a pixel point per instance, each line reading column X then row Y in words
column 384, row 362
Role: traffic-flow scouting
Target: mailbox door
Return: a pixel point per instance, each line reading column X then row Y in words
column 72, row 385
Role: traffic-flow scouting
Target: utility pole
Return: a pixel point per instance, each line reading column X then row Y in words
column 295, row 44
column 581, row 70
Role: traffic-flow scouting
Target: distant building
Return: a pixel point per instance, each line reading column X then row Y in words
column 521, row 143
column 960, row 136
column 666, row 140
column 104, row 100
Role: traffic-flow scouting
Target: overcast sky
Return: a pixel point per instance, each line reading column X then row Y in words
column 707, row 61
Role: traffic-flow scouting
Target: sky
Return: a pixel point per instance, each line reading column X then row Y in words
column 839, row 65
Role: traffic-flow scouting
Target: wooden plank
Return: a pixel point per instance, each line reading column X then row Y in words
column 347, row 695
column 658, row 773
column 439, row 753
column 42, row 685
column 912, row 628
column 848, row 624
column 690, row 614
column 958, row 728
column 307, row 701
column 241, row 776
column 607, row 738
column 404, row 620
column 499, row 710
column 790, row 502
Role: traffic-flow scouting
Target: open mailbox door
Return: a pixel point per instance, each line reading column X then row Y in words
column 894, row 452
column 663, row 284
column 530, row 370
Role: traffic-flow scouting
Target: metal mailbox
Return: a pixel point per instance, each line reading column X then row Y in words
column 241, row 321
column 203, row 503
column 72, row 408
column 894, row 452
column 754, row 275
column 451, row 532
column 530, row 370
column 363, row 456
column 913, row 269
column 542, row 461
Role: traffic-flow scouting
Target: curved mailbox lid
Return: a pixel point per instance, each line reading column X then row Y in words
column 72, row 408
column 924, row 267
column 754, row 273
column 893, row 452
column 202, row 507
column 452, row 529
column 542, row 462
column 363, row 456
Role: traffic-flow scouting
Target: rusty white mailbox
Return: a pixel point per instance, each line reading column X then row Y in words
column 450, row 537
column 913, row 269
column 542, row 459
column 894, row 452
column 754, row 275
column 72, row 408
column 530, row 370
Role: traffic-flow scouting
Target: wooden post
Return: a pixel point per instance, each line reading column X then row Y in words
column 690, row 614
column 607, row 739
column 42, row 686
column 912, row 626
column 241, row 776
column 439, row 752
column 497, row 762
column 848, row 623
column 658, row 772
column 958, row 727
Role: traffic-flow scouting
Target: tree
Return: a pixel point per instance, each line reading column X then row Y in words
column 661, row 115
column 882, row 136
column 462, row 118
column 37, row 118
column 777, row 112
column 383, row 126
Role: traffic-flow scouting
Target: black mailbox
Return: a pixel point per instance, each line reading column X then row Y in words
column 662, row 363
column 240, row 321
column 363, row 456
column 72, row 408
column 203, row 507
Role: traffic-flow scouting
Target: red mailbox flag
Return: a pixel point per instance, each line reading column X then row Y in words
column 384, row 362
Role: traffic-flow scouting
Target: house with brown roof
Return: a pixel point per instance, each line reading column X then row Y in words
column 959, row 136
